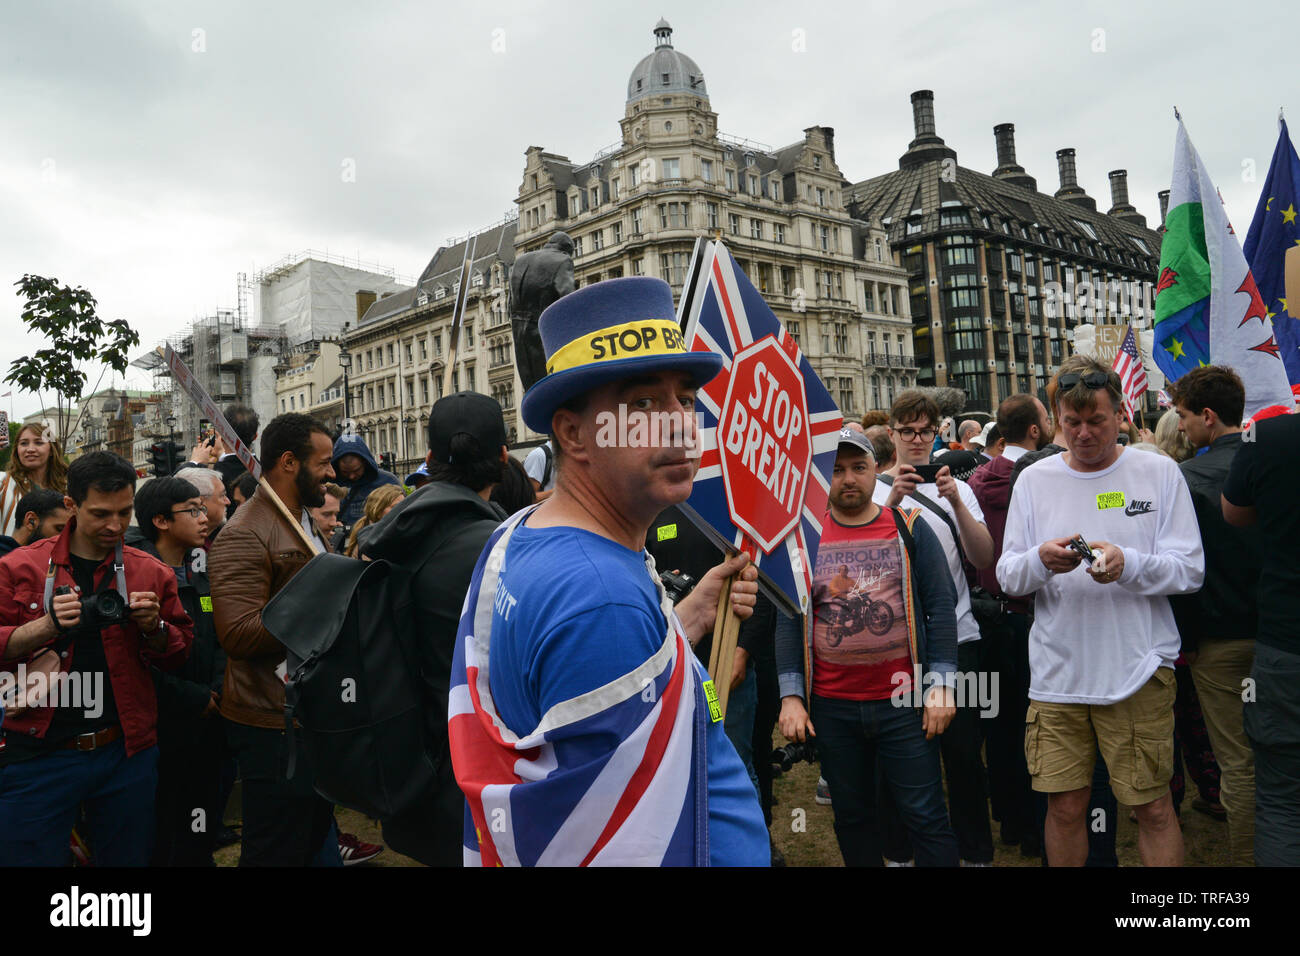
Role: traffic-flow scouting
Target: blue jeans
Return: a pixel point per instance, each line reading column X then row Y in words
column 739, row 723
column 39, row 800
column 854, row 737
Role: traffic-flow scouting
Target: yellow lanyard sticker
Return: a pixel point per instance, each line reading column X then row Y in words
column 711, row 694
column 667, row 532
column 205, row 603
column 1110, row 499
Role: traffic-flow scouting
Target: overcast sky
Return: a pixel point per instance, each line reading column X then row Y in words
column 150, row 152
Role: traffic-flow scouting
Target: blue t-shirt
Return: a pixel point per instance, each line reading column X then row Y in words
column 580, row 611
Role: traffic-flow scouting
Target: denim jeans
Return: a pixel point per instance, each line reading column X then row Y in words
column 854, row 738
column 39, row 799
column 1272, row 722
column 739, row 724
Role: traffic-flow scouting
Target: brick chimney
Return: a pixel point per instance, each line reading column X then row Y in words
column 365, row 299
column 1004, row 135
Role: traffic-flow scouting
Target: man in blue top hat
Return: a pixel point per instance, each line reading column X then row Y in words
column 580, row 723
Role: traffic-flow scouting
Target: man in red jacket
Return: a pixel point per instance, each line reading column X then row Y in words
column 108, row 612
column 1004, row 628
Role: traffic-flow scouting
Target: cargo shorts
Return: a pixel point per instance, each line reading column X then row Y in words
column 1135, row 737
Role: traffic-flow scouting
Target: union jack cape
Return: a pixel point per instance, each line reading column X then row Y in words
column 722, row 312
column 560, row 796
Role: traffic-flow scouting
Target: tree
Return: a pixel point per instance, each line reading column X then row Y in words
column 66, row 318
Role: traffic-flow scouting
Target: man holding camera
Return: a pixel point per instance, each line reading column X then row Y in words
column 1101, row 661
column 952, row 512
column 107, row 612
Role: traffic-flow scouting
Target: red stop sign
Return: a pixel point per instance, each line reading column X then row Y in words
column 763, row 442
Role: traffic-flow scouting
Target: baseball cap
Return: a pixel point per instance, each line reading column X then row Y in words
column 466, row 413
column 857, row 440
column 983, row 439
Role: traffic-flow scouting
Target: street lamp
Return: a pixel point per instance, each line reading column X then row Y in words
column 345, row 363
column 171, row 443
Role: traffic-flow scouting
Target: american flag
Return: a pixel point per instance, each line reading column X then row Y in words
column 561, row 796
column 724, row 315
column 1132, row 376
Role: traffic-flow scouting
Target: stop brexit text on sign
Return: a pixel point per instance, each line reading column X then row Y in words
column 769, row 430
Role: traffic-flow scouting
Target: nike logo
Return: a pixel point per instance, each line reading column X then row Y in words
column 1138, row 508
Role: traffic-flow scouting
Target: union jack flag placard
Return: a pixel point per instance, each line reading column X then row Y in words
column 769, row 429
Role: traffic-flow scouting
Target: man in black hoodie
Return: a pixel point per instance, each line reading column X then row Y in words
column 437, row 533
column 40, row 514
column 355, row 469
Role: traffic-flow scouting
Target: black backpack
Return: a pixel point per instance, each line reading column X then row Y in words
column 354, row 684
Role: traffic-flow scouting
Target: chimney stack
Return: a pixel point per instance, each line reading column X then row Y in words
column 1004, row 135
column 923, row 112
column 1070, row 190
column 927, row 146
column 1120, row 207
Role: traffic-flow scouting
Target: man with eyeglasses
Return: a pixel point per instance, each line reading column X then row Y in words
column 1101, row 661
column 213, row 492
column 952, row 512
column 173, row 525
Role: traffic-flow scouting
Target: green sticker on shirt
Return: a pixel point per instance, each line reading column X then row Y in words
column 711, row 693
column 1110, row 499
column 205, row 603
column 667, row 532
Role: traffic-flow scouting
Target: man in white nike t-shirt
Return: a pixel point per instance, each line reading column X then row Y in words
column 1103, row 642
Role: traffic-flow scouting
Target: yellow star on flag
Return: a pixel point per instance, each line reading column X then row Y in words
column 1288, row 214
column 1202, row 364
column 1283, row 302
column 1176, row 350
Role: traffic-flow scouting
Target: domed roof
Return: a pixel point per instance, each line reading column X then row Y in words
column 665, row 70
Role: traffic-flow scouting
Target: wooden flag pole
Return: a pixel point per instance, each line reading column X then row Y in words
column 192, row 387
column 727, row 655
column 458, row 313
column 724, row 600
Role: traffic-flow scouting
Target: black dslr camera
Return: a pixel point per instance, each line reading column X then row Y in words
column 677, row 585
column 789, row 755
column 103, row 609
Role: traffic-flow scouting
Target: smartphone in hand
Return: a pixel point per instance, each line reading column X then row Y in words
column 928, row 473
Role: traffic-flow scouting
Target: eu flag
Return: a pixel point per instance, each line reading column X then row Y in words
column 1273, row 231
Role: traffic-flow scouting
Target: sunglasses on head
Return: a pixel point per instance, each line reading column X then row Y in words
column 1090, row 379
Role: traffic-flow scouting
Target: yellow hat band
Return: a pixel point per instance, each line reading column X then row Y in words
column 629, row 340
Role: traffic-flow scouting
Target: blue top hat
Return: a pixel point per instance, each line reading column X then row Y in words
column 608, row 331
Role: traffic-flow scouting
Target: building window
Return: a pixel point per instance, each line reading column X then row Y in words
column 821, row 196
column 793, row 328
column 826, row 284
column 437, row 344
column 880, row 250
column 756, row 229
column 764, row 277
column 665, row 78
column 826, row 340
column 778, row 232
column 390, row 353
column 753, row 186
column 787, row 279
column 826, row 238
column 711, row 214
column 868, row 299
column 577, row 247
column 671, row 168
column 618, row 233
column 424, row 349
column 731, row 179
column 706, row 170
column 613, row 189
column 637, row 221
column 469, row 377
column 424, row 390
column 733, row 222
column 638, row 267
column 841, row 338
column 597, row 240
column 673, row 267
column 846, row 395
column 410, row 392
column 634, row 174
column 774, row 184
column 291, row 405
column 674, row 215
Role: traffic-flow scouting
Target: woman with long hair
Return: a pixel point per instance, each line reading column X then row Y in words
column 35, row 461
column 380, row 501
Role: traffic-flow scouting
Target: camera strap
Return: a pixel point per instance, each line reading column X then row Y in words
column 931, row 505
column 119, row 573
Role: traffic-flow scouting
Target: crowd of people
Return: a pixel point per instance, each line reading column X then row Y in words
column 1052, row 615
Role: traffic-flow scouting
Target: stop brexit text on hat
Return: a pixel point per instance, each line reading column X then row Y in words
column 769, row 429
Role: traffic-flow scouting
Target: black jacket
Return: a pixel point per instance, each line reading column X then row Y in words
column 437, row 534
column 183, row 694
column 1226, row 606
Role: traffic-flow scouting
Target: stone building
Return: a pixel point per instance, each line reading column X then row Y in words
column 983, row 254
column 637, row 207
column 400, row 348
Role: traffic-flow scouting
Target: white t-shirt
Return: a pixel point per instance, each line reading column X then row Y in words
column 968, row 628
column 535, row 466
column 1099, row 643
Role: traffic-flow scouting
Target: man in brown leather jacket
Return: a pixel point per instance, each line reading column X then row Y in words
column 285, row 821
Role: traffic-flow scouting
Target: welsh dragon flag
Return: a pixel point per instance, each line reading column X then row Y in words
column 1208, row 311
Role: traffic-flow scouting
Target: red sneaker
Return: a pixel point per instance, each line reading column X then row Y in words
column 352, row 850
